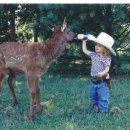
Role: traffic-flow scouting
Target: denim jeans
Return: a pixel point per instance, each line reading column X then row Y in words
column 99, row 96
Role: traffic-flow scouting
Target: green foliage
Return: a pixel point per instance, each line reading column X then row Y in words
column 4, row 27
column 66, row 105
column 31, row 22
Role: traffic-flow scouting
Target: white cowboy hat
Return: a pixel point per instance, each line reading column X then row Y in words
column 103, row 39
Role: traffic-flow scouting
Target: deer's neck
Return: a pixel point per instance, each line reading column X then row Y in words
column 54, row 48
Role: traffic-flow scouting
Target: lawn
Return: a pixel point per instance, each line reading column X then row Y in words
column 66, row 105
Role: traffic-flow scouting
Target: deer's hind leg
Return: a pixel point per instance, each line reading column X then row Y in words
column 11, row 80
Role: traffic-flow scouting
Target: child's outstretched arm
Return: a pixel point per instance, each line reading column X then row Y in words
column 84, row 47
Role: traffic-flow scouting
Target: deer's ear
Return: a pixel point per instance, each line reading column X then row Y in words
column 64, row 25
column 51, row 27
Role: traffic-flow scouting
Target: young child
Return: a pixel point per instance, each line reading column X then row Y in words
column 100, row 65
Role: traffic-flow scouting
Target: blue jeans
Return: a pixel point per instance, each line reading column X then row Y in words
column 99, row 95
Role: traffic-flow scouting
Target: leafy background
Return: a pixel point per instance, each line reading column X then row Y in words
column 28, row 23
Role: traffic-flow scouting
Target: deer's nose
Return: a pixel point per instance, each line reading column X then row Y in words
column 75, row 35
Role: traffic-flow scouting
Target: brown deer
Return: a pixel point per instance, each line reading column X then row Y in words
column 33, row 60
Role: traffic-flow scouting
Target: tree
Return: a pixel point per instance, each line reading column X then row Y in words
column 29, row 22
column 4, row 27
column 12, row 9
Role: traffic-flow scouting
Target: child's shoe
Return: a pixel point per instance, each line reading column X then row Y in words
column 95, row 109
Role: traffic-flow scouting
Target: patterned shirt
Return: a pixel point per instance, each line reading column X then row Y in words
column 98, row 63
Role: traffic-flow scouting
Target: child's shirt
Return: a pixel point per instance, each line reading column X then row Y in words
column 98, row 63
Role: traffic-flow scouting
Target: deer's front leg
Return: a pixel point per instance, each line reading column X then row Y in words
column 32, row 90
column 34, row 93
column 39, row 108
column 32, row 97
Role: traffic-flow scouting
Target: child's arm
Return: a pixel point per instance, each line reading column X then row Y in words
column 84, row 48
column 103, row 73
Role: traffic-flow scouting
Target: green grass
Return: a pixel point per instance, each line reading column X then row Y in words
column 66, row 105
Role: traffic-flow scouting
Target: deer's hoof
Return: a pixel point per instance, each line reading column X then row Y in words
column 31, row 118
column 39, row 110
column 16, row 102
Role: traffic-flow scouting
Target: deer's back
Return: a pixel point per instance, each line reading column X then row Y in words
column 19, row 56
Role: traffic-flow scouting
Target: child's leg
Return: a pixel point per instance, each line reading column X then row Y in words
column 93, row 95
column 103, row 97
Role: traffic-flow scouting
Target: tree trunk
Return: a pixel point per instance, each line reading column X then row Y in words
column 108, row 22
column 35, row 35
column 12, row 23
column 36, row 28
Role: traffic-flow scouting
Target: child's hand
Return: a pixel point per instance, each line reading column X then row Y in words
column 85, row 40
column 100, row 75
column 103, row 73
